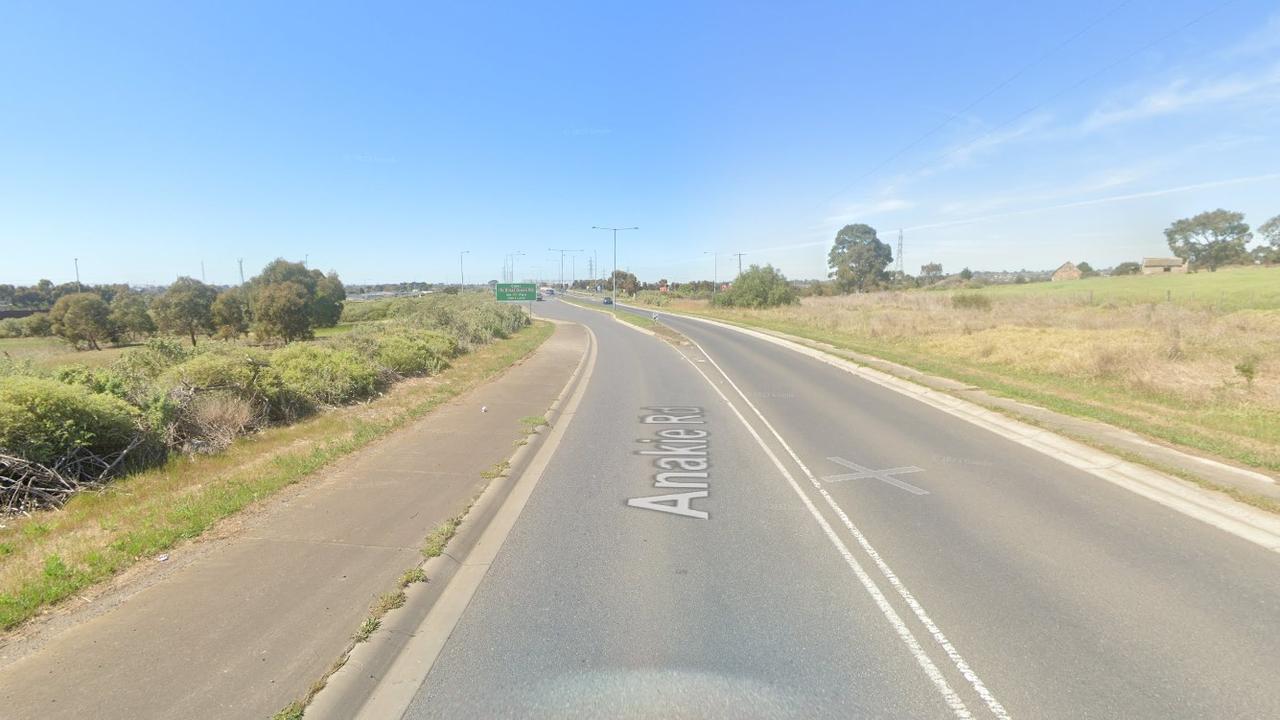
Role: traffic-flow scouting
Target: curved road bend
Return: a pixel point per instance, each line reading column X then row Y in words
column 902, row 563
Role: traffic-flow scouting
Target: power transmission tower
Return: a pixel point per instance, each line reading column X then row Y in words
column 901, row 272
column 240, row 262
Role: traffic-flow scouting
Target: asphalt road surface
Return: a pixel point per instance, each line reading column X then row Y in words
column 752, row 533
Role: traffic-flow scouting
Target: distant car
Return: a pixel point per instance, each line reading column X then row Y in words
column 608, row 301
column 539, row 298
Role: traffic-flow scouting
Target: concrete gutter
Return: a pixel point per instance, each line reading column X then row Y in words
column 1244, row 521
column 382, row 675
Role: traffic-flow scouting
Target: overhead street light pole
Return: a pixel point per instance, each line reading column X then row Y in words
column 715, row 269
column 562, row 252
column 462, row 274
column 513, row 257
column 614, row 277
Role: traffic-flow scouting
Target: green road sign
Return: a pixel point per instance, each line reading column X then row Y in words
column 517, row 292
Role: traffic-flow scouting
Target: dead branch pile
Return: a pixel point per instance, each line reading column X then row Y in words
column 26, row 486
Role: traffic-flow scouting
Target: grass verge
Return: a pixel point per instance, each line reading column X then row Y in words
column 640, row 321
column 53, row 555
column 1243, row 432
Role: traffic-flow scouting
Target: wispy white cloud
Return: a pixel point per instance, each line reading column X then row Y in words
column 966, row 153
column 869, row 209
column 1265, row 39
column 1183, row 95
column 1270, row 177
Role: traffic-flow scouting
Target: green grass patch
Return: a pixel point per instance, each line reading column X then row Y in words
column 411, row 576
column 367, row 628
column 497, row 471
column 440, row 537
column 292, row 711
column 531, row 423
column 51, row 352
column 1233, row 288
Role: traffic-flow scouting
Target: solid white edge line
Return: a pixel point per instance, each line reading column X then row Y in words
column 1245, row 522
column 949, row 695
column 956, row 658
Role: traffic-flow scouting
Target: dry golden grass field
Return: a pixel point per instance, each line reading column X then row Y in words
column 1200, row 369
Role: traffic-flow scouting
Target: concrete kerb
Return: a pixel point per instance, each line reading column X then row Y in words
column 1246, row 522
column 350, row 688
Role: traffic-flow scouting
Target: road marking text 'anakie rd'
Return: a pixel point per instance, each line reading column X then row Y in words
column 680, row 455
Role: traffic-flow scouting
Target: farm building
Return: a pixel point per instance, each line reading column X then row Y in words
column 1159, row 265
column 1068, row 271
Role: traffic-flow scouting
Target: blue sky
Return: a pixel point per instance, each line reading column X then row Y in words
column 382, row 139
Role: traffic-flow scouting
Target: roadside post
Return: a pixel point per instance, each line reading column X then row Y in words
column 517, row 293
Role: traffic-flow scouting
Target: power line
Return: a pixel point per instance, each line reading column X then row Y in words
column 1078, row 83
column 562, row 251
column 974, row 103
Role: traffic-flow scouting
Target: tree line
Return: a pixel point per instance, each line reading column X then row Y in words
column 859, row 260
column 286, row 301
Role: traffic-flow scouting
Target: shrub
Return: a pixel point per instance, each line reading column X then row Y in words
column 970, row 301
column 98, row 380
column 758, row 287
column 12, row 328
column 37, row 325
column 354, row 312
column 471, row 320
column 415, row 352
column 137, row 368
column 653, row 297
column 239, row 372
column 1248, row 369
column 43, row 420
column 152, row 359
column 328, row 375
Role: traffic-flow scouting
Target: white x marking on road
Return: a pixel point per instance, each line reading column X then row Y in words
column 884, row 476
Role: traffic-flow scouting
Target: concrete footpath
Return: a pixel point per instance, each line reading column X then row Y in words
column 245, row 627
